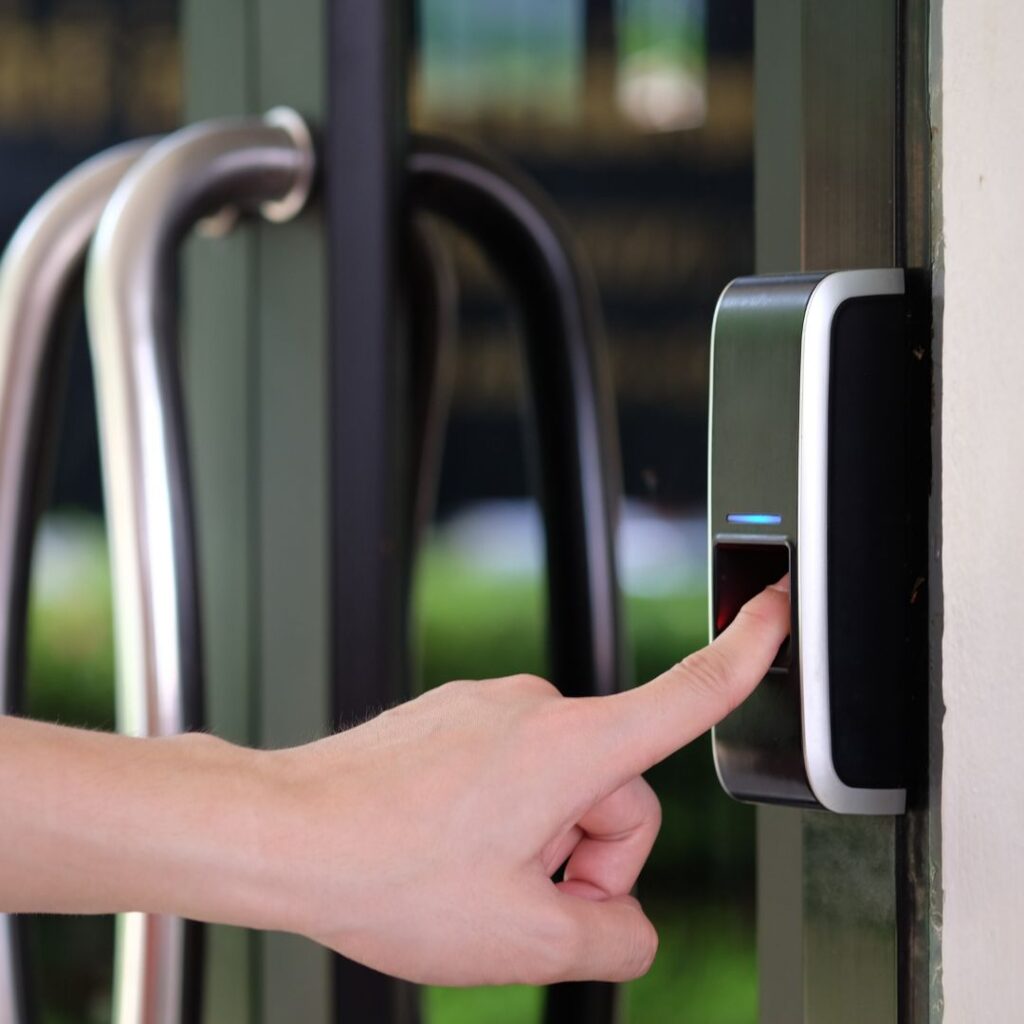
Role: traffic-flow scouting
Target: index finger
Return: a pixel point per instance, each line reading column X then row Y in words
column 646, row 724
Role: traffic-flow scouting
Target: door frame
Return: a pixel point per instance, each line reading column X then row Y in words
column 847, row 907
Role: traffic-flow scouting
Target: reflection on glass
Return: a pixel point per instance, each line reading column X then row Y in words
column 509, row 59
column 661, row 81
column 641, row 132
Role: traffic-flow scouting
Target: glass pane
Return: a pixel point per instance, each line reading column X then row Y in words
column 636, row 116
column 75, row 77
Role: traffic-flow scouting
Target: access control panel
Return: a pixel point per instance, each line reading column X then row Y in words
column 808, row 474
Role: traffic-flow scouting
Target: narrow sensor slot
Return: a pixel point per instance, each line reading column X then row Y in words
column 754, row 518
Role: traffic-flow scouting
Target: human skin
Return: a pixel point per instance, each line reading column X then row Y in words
column 421, row 843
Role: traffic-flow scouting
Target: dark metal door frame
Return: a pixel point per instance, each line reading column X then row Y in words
column 845, row 916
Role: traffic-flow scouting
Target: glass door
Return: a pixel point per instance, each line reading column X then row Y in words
column 636, row 118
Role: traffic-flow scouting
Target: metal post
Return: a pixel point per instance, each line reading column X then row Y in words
column 370, row 473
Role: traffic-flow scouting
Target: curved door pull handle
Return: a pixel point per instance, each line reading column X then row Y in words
column 263, row 164
column 38, row 274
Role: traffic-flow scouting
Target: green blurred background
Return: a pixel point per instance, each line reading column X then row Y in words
column 473, row 621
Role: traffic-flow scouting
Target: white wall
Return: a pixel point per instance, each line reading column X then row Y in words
column 982, row 200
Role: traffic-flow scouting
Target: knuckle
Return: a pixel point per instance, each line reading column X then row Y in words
column 652, row 806
column 710, row 672
column 559, row 948
column 535, row 684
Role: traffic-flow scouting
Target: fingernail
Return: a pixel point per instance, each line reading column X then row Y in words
column 782, row 584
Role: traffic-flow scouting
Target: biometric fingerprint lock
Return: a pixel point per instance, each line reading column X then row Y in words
column 807, row 473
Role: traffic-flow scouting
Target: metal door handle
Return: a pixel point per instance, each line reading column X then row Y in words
column 522, row 234
column 263, row 164
column 38, row 274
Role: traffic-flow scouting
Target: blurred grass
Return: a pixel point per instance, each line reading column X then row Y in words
column 70, row 641
column 705, row 973
column 471, row 624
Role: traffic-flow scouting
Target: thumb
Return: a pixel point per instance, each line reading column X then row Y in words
column 646, row 724
column 611, row 938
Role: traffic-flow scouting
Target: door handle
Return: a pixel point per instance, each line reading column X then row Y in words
column 254, row 164
column 576, row 452
column 38, row 274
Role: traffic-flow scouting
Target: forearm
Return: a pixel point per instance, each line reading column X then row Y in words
column 99, row 823
column 422, row 843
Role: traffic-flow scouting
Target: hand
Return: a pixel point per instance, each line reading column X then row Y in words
column 423, row 842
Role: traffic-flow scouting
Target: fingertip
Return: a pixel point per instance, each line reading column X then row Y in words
column 616, row 940
column 769, row 609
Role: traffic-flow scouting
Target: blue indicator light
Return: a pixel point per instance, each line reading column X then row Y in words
column 754, row 518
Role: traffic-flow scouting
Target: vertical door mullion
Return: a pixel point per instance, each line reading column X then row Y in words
column 293, row 428
column 832, row 192
column 364, row 150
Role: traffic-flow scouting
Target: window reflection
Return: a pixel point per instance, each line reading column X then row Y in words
column 660, row 81
column 522, row 58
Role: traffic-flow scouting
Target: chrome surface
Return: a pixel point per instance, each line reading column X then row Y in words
column 812, row 529
column 130, row 293
column 39, row 268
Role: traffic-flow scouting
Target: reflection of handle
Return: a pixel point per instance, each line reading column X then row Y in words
column 570, row 396
column 577, row 453
column 130, row 290
column 433, row 300
column 39, row 269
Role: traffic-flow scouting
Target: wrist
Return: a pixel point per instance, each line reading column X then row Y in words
column 253, row 827
column 205, row 857
column 314, row 849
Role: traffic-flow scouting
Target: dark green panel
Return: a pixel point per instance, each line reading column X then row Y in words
column 841, row 184
column 849, row 919
column 849, row 74
column 217, row 325
column 256, row 382
column 777, row 127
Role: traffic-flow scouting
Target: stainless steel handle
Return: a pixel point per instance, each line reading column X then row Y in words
column 37, row 273
column 254, row 163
